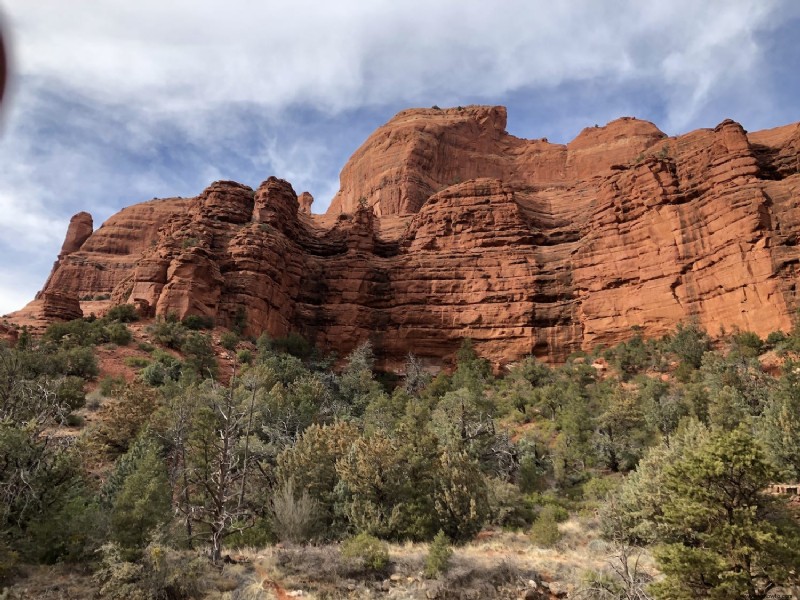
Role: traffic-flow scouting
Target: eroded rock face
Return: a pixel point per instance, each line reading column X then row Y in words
column 60, row 306
column 111, row 253
column 305, row 200
column 447, row 227
column 422, row 151
column 80, row 228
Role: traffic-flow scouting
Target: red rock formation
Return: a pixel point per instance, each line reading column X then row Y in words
column 446, row 226
column 109, row 254
column 8, row 334
column 305, row 200
column 80, row 228
column 60, row 306
column 422, row 151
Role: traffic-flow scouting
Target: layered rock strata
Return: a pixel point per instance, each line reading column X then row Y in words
column 447, row 227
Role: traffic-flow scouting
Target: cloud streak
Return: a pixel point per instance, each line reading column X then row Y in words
column 176, row 56
column 116, row 105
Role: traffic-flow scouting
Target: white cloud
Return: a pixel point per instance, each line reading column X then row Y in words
column 13, row 297
column 179, row 55
column 26, row 224
column 121, row 101
column 18, row 285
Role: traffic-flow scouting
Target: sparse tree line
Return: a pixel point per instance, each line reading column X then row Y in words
column 290, row 449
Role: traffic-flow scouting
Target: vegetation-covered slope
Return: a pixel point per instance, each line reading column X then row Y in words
column 217, row 443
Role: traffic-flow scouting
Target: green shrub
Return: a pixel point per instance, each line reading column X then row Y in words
column 598, row 488
column 160, row 573
column 244, row 356
column 110, row 386
column 544, row 531
column 369, row 551
column 70, row 392
column 775, row 338
column 684, row 372
column 118, row 334
column 507, row 505
column 123, row 313
column 168, row 333
column 200, row 358
column 142, row 503
column 229, row 340
column 294, row 344
column 439, row 554
column 74, row 420
column 8, row 562
column 747, row 344
column 197, row 322
column 80, row 362
column 79, row 332
column 137, row 362
column 689, row 342
column 555, row 511
column 164, row 368
column 153, row 374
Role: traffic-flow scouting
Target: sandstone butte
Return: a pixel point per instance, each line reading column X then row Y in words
column 446, row 227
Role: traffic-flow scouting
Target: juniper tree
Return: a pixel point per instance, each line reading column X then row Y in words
column 717, row 534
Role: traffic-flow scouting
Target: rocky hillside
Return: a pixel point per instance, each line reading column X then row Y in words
column 445, row 227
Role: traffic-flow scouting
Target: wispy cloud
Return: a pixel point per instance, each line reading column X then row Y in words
column 180, row 55
column 133, row 100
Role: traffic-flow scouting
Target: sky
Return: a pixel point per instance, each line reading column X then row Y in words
column 116, row 102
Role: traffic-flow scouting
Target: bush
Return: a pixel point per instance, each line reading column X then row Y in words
column 118, row 334
column 372, row 553
column 747, row 344
column 461, row 499
column 79, row 332
column 154, row 374
column 164, row 368
column 544, row 531
column 295, row 516
column 507, row 505
column 555, row 511
column 244, row 356
column 142, row 503
column 80, row 362
column 145, row 347
column 8, row 563
column 229, row 340
column 123, row 313
column 74, row 420
column 775, row 338
column 690, row 342
column 294, row 344
column 70, row 392
column 197, row 322
column 136, row 362
column 598, row 488
column 200, row 358
column 168, row 333
column 110, row 386
column 161, row 573
column 438, row 558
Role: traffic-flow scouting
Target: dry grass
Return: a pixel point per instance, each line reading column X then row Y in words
column 499, row 564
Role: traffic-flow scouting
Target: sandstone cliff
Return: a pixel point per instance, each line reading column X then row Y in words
column 446, row 226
